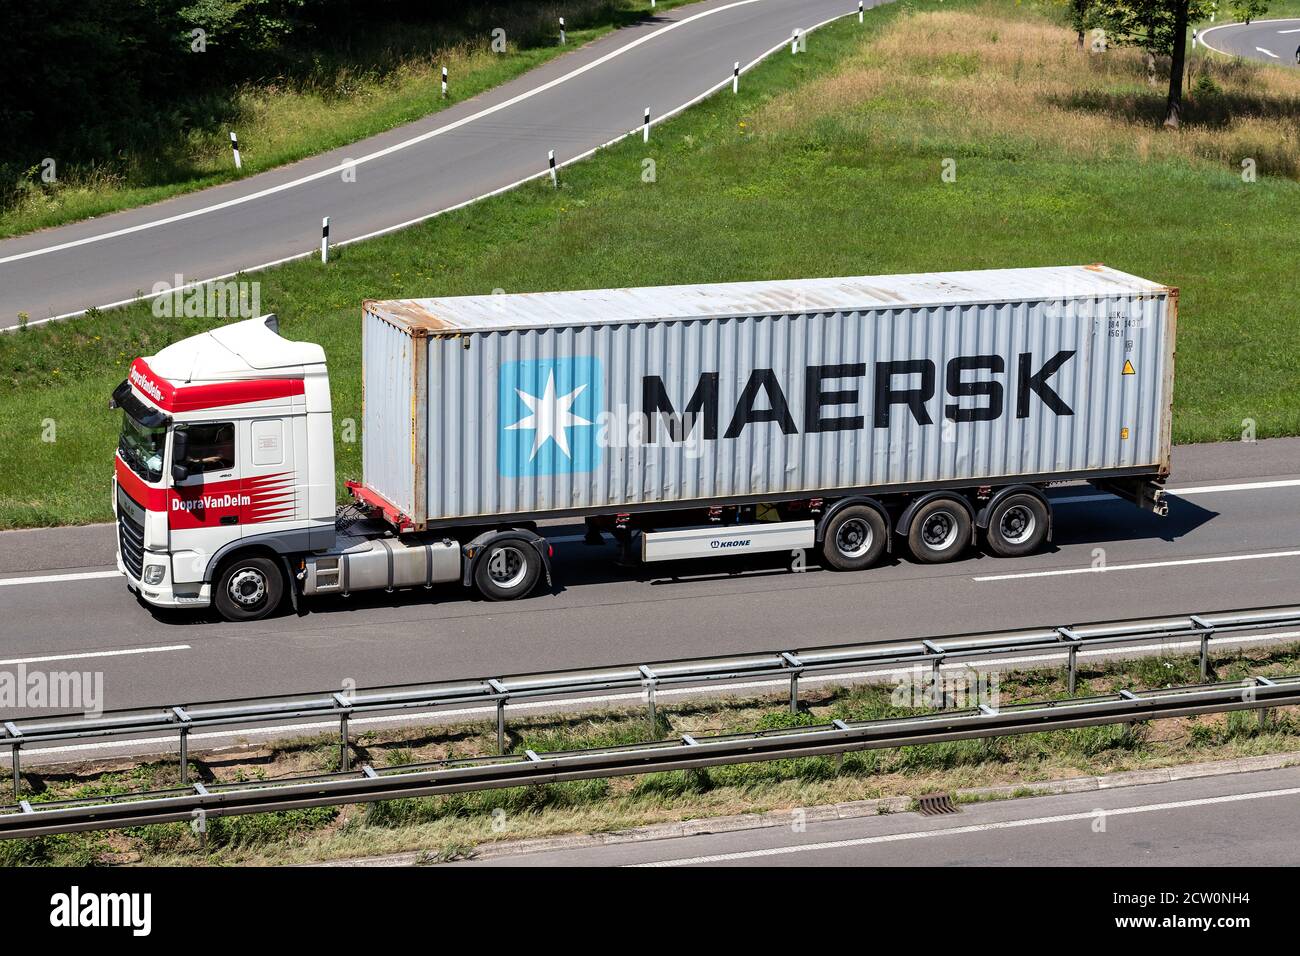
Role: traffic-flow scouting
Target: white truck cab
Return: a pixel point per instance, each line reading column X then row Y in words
column 226, row 447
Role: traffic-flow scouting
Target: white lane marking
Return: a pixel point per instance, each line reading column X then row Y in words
column 446, row 209
column 1220, row 559
column 1260, row 49
column 972, row 828
column 566, row 704
column 1224, row 26
column 1192, row 490
column 1287, row 31
column 51, row 578
column 386, row 151
column 89, row 654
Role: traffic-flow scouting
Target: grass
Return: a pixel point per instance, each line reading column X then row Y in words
column 449, row 827
column 389, row 77
column 828, row 163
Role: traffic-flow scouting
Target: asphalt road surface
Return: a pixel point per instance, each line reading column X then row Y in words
column 571, row 105
column 1233, row 540
column 1271, row 41
column 1240, row 819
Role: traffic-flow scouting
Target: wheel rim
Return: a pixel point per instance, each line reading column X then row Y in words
column 247, row 587
column 939, row 531
column 1017, row 524
column 854, row 537
column 507, row 567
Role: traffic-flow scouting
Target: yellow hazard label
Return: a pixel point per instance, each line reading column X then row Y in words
column 1128, row 368
column 1123, row 434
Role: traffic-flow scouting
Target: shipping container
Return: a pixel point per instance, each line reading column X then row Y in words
column 512, row 407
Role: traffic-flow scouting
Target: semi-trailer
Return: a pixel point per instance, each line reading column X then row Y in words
column 828, row 418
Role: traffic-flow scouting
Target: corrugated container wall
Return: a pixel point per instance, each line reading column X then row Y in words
column 512, row 405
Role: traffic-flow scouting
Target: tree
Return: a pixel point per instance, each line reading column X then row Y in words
column 1160, row 28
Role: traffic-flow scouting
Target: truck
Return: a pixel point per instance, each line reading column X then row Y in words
column 835, row 419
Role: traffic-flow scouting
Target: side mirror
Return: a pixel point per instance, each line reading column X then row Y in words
column 180, row 450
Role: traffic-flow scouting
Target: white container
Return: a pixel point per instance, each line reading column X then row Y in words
column 481, row 408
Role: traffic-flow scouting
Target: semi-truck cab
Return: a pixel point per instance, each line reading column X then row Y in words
column 484, row 418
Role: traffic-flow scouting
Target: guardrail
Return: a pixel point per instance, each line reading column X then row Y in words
column 198, row 802
column 183, row 719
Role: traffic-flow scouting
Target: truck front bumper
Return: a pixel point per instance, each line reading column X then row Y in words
column 163, row 594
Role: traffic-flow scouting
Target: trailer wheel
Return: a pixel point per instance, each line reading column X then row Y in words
column 940, row 530
column 854, row 538
column 248, row 589
column 507, row 569
column 1017, row 526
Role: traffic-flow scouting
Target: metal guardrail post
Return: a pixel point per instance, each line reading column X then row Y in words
column 937, row 697
column 345, row 750
column 14, row 761
column 797, row 669
column 184, row 719
column 649, row 680
column 1207, row 631
column 1074, row 640
column 500, row 690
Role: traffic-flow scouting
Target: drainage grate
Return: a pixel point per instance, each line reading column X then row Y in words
column 933, row 804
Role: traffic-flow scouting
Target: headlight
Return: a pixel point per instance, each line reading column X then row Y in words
column 154, row 574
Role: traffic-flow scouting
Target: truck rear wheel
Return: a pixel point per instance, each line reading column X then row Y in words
column 1017, row 526
column 507, row 569
column 939, row 531
column 854, row 538
column 248, row 589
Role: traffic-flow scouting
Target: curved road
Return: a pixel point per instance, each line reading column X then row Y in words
column 1271, row 41
column 572, row 105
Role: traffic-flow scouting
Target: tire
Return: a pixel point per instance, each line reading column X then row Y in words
column 248, row 589
column 507, row 569
column 939, row 531
column 1017, row 526
column 854, row 538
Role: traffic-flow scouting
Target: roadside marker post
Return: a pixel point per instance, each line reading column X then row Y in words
column 234, row 148
column 735, row 78
column 550, row 158
column 562, row 40
column 645, row 129
column 794, row 42
column 860, row 11
column 444, row 82
column 325, row 240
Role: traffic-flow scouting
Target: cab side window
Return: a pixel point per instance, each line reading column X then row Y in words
column 211, row 447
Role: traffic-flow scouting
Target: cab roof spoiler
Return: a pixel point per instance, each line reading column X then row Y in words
column 146, row 415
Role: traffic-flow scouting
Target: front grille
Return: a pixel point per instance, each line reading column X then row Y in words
column 130, row 536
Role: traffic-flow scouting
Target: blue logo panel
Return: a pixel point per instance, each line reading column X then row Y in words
column 548, row 416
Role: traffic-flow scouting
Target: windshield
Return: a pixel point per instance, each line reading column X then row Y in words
column 141, row 447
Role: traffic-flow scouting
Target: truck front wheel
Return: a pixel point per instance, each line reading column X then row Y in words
column 507, row 569
column 248, row 589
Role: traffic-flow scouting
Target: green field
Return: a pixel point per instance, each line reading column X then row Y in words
column 828, row 163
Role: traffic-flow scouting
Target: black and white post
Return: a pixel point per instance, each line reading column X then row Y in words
column 645, row 127
column 562, row 30
column 794, row 41
column 234, row 148
column 550, row 159
column 444, row 82
column 860, row 11
column 735, row 78
column 325, row 240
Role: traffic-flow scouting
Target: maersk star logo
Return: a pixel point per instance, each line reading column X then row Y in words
column 548, row 416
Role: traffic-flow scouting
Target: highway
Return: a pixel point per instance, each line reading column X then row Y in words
column 1245, row 819
column 1270, row 41
column 572, row 105
column 1233, row 540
